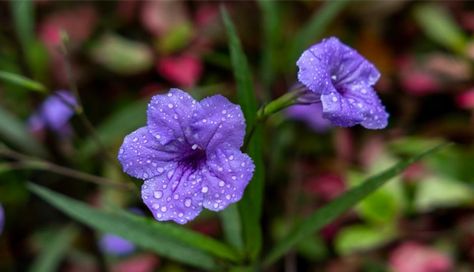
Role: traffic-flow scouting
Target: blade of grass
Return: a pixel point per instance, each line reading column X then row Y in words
column 313, row 30
column 167, row 240
column 231, row 225
column 334, row 209
column 23, row 17
column 250, row 205
column 271, row 31
column 51, row 256
column 14, row 132
column 23, row 82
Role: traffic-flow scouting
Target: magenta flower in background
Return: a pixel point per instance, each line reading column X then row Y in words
column 311, row 114
column 342, row 80
column 115, row 245
column 54, row 114
column 189, row 155
column 184, row 70
column 414, row 257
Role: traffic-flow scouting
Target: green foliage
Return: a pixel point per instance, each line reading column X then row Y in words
column 361, row 237
column 14, row 132
column 251, row 204
column 168, row 240
column 56, row 248
column 22, row 81
column 438, row 25
column 331, row 211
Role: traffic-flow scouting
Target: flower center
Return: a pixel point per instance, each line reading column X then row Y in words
column 194, row 158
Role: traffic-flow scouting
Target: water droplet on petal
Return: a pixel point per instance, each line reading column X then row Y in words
column 204, row 189
column 187, row 202
column 158, row 194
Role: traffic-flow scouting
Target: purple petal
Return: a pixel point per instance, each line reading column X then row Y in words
column 355, row 106
column 2, row 218
column 311, row 114
column 169, row 114
column 174, row 195
column 229, row 173
column 56, row 110
column 144, row 157
column 115, row 245
column 217, row 122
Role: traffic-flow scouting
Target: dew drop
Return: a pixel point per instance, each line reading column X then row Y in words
column 163, row 209
column 221, row 183
column 170, row 106
column 158, row 194
column 194, row 146
column 187, row 202
column 160, row 170
column 204, row 189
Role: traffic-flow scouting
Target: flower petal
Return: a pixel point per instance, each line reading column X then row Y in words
column 169, row 113
column 357, row 105
column 174, row 195
column 217, row 122
column 144, row 157
column 229, row 173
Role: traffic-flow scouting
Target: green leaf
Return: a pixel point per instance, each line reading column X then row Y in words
column 117, row 126
column 362, row 237
column 232, row 227
column 22, row 81
column 250, row 206
column 242, row 73
column 14, row 132
column 270, row 42
column 23, row 16
column 313, row 30
column 165, row 239
column 436, row 192
column 51, row 256
column 335, row 208
column 441, row 27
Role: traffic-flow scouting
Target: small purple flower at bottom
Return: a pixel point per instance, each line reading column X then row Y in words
column 189, row 155
column 342, row 80
column 54, row 113
column 115, row 245
column 311, row 114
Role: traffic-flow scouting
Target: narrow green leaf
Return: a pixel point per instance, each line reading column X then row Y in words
column 250, row 205
column 14, row 132
column 313, row 30
column 55, row 250
column 232, row 227
column 115, row 127
column 23, row 16
column 165, row 239
column 270, row 43
column 22, row 81
column 440, row 26
column 334, row 209
column 242, row 74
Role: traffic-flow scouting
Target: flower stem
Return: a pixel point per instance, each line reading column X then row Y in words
column 26, row 162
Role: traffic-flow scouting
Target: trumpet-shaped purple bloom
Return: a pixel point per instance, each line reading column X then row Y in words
column 343, row 81
column 54, row 113
column 189, row 155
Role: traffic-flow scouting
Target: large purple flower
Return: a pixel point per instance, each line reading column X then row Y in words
column 189, row 155
column 343, row 81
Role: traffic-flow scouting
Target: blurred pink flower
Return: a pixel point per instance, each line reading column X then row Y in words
column 160, row 17
column 465, row 100
column 184, row 70
column 326, row 186
column 415, row 172
column 414, row 257
column 415, row 79
column 78, row 23
column 140, row 263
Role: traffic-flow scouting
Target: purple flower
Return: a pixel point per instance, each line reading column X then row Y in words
column 343, row 81
column 189, row 155
column 311, row 114
column 54, row 113
column 115, row 245
column 2, row 218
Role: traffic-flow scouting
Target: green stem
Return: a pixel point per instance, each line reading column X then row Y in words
column 274, row 106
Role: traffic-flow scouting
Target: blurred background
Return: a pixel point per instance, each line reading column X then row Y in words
column 120, row 53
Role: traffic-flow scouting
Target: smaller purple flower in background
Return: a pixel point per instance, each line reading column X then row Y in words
column 342, row 80
column 311, row 114
column 189, row 155
column 54, row 114
column 2, row 218
column 115, row 245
